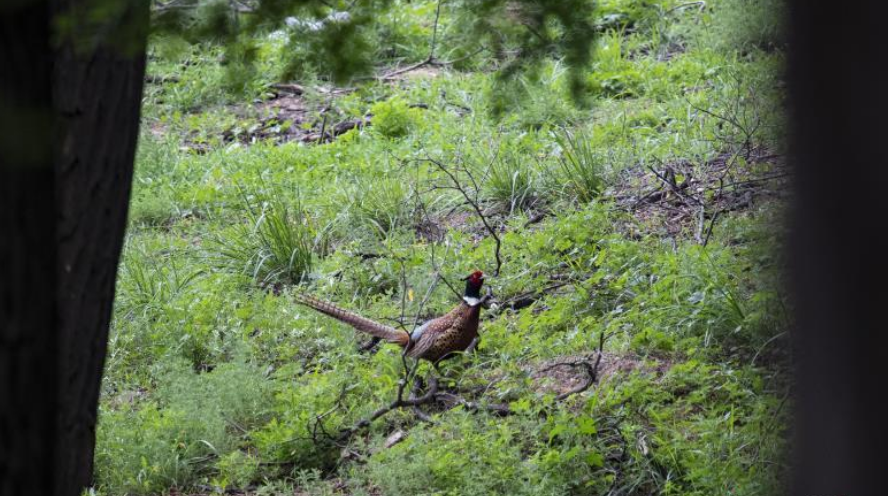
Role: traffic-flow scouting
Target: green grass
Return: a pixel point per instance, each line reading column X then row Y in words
column 581, row 171
column 215, row 377
column 512, row 182
column 277, row 243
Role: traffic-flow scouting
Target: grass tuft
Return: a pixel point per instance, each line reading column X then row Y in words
column 581, row 170
column 277, row 244
column 512, row 182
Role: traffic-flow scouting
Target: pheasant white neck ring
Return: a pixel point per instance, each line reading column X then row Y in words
column 472, row 301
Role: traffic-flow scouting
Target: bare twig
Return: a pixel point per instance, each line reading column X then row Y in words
column 435, row 31
column 399, row 402
column 417, row 388
column 428, row 60
column 457, row 185
column 711, row 226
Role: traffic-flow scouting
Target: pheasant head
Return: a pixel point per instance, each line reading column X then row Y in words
column 474, row 281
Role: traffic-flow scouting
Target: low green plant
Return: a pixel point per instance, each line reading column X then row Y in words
column 151, row 211
column 237, row 469
column 747, row 24
column 383, row 205
column 278, row 243
column 512, row 182
column 147, row 284
column 581, row 169
column 173, row 440
column 394, row 118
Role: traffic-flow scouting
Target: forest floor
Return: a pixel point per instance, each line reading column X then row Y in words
column 635, row 342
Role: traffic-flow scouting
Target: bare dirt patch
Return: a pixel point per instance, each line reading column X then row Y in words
column 686, row 198
column 558, row 377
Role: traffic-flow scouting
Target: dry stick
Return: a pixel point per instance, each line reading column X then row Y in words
column 409, row 372
column 524, row 300
column 433, row 395
column 711, row 227
column 474, row 203
column 500, row 410
column 421, row 415
column 323, row 132
column 701, row 223
column 752, row 181
column 435, row 31
column 678, row 191
column 702, row 212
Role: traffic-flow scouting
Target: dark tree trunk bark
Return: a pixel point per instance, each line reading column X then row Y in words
column 839, row 97
column 70, row 126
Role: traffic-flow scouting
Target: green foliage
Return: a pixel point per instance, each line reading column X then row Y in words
column 149, row 287
column 151, row 211
column 623, row 15
column 751, row 24
column 237, row 469
column 382, row 205
column 394, row 118
column 172, row 441
column 434, row 460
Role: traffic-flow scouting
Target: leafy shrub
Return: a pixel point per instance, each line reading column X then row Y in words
column 394, row 118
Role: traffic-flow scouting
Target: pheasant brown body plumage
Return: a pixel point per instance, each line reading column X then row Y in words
column 434, row 340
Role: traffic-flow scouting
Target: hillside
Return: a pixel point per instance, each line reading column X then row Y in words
column 634, row 342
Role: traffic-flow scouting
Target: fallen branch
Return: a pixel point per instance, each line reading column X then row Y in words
column 290, row 88
column 399, row 402
column 338, row 129
column 155, row 79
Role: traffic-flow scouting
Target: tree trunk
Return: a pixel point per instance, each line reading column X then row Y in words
column 70, row 125
column 839, row 273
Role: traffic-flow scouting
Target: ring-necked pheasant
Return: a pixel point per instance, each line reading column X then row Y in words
column 453, row 332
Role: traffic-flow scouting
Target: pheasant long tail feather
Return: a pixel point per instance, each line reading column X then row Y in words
column 360, row 323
